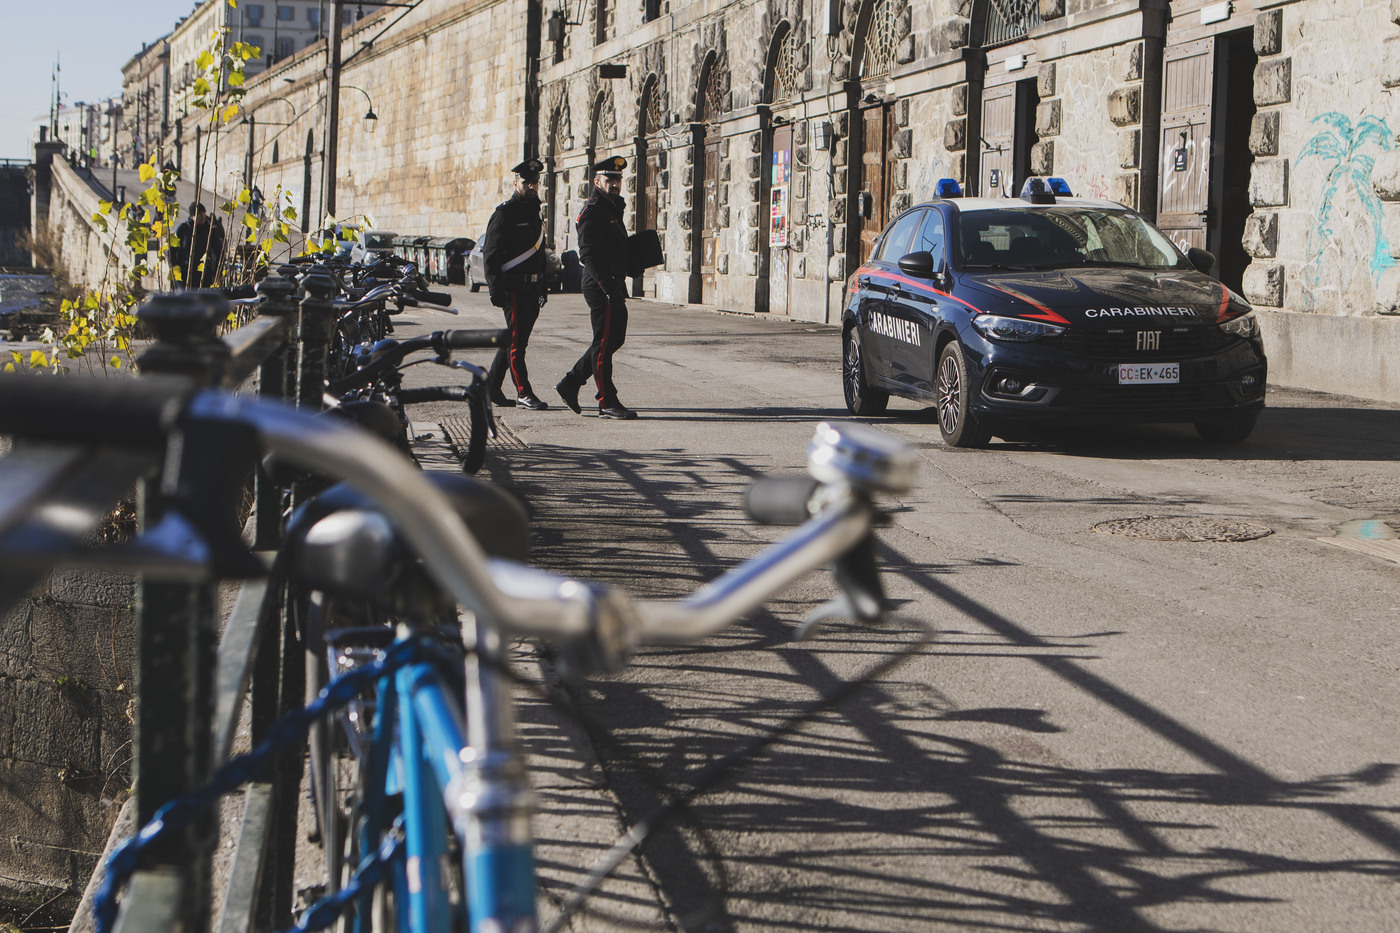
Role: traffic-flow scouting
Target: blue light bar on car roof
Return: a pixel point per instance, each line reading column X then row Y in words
column 1060, row 187
column 948, row 188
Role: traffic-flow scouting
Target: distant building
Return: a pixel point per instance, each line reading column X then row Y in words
column 145, row 102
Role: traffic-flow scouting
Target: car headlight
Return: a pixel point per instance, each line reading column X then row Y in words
column 1246, row 325
column 996, row 327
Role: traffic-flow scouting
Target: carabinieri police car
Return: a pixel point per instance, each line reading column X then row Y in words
column 1009, row 312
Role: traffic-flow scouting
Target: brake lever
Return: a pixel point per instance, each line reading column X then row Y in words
column 862, row 596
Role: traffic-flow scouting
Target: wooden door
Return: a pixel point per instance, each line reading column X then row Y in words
column 876, row 129
column 1188, row 87
column 998, row 142
column 709, row 220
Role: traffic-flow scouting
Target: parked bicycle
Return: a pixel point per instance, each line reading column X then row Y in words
column 418, row 582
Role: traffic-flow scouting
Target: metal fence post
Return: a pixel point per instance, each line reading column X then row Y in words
column 176, row 625
column 269, row 692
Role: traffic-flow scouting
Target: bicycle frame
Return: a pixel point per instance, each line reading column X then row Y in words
column 456, row 778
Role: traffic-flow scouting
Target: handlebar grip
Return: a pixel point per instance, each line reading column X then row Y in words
column 114, row 411
column 437, row 298
column 478, row 338
column 434, row 394
column 780, row 500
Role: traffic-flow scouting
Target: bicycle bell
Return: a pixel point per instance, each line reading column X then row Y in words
column 861, row 456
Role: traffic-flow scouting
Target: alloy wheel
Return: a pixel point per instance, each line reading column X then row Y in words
column 950, row 394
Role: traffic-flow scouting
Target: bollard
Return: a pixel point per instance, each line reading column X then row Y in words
column 176, row 623
column 274, row 382
column 278, row 672
column 317, row 318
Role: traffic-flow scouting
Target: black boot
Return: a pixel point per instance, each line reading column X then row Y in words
column 568, row 391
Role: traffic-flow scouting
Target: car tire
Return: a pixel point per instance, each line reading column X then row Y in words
column 861, row 398
column 1227, row 430
column 956, row 422
column 475, row 285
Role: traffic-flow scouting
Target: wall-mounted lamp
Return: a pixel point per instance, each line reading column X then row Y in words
column 369, row 114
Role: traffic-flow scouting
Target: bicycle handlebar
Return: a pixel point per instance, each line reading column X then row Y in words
column 440, row 341
column 851, row 461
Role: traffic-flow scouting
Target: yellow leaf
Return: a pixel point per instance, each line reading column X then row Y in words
column 233, row 3
column 37, row 358
column 147, row 172
column 290, row 213
column 9, row 367
column 175, row 275
column 251, row 221
column 245, row 196
column 116, row 362
column 104, row 207
column 235, row 79
column 204, row 60
column 230, row 112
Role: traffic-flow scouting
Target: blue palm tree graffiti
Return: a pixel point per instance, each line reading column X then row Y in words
column 1341, row 145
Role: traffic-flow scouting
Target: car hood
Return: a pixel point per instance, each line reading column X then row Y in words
column 1102, row 297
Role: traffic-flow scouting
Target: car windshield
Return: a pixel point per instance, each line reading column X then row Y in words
column 1052, row 237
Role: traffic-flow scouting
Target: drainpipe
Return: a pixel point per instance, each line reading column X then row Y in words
column 1155, row 14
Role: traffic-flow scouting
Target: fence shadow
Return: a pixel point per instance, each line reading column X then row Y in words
column 897, row 810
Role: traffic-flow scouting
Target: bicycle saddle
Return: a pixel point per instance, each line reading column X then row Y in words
column 340, row 543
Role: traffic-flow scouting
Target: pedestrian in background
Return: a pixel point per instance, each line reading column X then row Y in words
column 199, row 246
column 511, row 250
column 602, row 247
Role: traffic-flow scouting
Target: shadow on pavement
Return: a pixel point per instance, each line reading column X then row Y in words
column 901, row 812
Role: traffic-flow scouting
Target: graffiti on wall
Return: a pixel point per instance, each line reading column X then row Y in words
column 1340, row 236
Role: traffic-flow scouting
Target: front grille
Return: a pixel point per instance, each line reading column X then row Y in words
column 1120, row 345
column 1143, row 398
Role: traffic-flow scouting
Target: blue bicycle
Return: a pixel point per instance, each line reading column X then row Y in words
column 411, row 584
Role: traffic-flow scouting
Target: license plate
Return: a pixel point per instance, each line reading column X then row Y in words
column 1149, row 374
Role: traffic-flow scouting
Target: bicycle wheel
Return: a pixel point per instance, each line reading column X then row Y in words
column 479, row 413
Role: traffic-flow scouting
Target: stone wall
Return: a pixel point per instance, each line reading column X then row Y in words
column 1326, row 143
column 65, row 733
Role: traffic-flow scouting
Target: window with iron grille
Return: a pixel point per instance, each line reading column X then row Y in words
column 712, row 99
column 880, row 40
column 651, row 110
column 787, row 68
column 1008, row 20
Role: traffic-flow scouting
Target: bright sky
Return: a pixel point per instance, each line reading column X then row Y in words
column 90, row 39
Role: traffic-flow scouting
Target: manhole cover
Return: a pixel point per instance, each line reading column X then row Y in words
column 1183, row 529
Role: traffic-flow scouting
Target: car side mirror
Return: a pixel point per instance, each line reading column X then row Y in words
column 1203, row 260
column 922, row 265
column 919, row 265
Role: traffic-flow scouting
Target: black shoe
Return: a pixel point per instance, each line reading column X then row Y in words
column 498, row 398
column 531, row 402
column 618, row 411
column 568, row 391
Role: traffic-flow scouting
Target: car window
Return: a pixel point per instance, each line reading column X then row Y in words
column 930, row 237
column 895, row 242
column 1063, row 235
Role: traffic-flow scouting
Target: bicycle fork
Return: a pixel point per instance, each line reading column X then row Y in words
column 490, row 799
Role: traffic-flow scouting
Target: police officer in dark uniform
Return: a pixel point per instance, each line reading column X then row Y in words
column 512, row 249
column 602, row 247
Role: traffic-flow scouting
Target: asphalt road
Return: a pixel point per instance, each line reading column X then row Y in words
column 1111, row 733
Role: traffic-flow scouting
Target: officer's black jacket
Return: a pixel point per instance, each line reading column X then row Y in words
column 514, row 228
column 602, row 239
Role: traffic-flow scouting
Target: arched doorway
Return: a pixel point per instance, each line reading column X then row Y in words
column 706, row 144
column 872, row 128
column 1005, row 136
column 650, row 162
column 778, row 242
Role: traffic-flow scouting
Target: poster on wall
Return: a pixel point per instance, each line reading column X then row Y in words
column 778, row 216
column 778, row 200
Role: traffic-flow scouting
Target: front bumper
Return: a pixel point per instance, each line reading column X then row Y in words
column 1066, row 387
